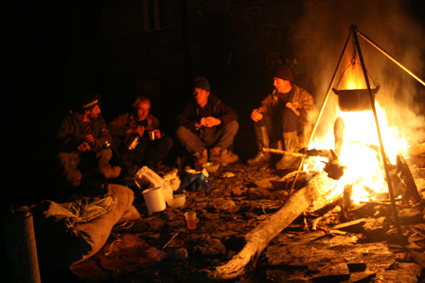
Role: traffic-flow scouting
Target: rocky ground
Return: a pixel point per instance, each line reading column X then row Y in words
column 326, row 246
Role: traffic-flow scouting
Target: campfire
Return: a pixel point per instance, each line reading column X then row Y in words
column 364, row 164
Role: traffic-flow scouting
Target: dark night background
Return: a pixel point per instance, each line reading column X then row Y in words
column 53, row 50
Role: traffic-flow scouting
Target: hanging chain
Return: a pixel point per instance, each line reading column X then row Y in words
column 353, row 60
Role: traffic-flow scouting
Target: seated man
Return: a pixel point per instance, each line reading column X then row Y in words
column 205, row 123
column 137, row 140
column 84, row 142
column 285, row 113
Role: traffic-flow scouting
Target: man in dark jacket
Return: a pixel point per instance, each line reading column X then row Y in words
column 207, row 123
column 84, row 142
column 150, row 145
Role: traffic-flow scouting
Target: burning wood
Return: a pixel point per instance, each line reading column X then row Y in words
column 407, row 182
column 416, row 150
column 310, row 152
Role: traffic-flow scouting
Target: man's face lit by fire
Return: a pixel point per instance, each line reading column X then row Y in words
column 93, row 113
column 143, row 110
column 282, row 86
column 201, row 96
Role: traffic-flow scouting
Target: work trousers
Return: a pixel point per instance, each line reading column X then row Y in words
column 76, row 163
column 218, row 136
column 280, row 122
column 147, row 152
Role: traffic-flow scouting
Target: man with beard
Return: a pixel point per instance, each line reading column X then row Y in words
column 84, row 142
column 137, row 139
column 285, row 114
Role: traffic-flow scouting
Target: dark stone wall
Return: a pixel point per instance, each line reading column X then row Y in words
column 56, row 49
column 235, row 46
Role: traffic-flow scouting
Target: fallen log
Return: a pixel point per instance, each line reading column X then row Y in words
column 318, row 192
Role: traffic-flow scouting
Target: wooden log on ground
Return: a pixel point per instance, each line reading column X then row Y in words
column 317, row 193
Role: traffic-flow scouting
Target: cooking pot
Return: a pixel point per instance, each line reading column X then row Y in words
column 355, row 99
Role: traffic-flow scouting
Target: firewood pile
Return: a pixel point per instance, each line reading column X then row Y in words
column 253, row 228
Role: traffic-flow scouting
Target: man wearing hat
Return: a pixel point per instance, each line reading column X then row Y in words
column 84, row 142
column 285, row 113
column 207, row 123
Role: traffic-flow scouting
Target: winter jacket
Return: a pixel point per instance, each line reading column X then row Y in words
column 73, row 130
column 300, row 98
column 126, row 121
column 193, row 112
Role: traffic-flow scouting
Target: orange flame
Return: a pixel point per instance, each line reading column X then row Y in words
column 360, row 151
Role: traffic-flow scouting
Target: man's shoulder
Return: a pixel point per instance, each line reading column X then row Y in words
column 214, row 99
column 151, row 117
column 71, row 117
column 126, row 115
column 100, row 121
column 300, row 90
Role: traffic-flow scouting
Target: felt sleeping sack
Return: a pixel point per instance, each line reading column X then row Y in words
column 69, row 233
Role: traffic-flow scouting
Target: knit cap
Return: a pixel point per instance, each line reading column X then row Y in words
column 284, row 73
column 201, row 82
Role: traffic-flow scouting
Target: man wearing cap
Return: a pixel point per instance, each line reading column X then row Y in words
column 207, row 123
column 285, row 113
column 152, row 145
column 84, row 142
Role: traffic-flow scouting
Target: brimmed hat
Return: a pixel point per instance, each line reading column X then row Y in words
column 284, row 73
column 201, row 82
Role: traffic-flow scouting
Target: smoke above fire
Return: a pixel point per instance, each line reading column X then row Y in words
column 321, row 34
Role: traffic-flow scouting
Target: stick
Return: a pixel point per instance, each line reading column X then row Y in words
column 171, row 239
column 272, row 150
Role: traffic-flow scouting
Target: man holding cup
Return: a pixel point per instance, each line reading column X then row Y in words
column 137, row 139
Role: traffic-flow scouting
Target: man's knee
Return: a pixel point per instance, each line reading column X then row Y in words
column 104, row 156
column 167, row 142
column 233, row 127
column 69, row 159
column 182, row 132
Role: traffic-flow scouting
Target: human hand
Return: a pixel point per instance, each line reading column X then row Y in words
column 89, row 138
column 157, row 133
column 256, row 115
column 84, row 146
column 212, row 121
column 203, row 122
column 291, row 106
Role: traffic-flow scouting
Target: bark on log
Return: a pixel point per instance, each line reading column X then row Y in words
column 318, row 192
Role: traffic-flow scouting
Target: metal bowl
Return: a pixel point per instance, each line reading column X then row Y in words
column 211, row 166
column 177, row 200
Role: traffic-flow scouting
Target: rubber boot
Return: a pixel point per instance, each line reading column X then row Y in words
column 200, row 158
column 228, row 157
column 290, row 140
column 215, row 154
column 263, row 141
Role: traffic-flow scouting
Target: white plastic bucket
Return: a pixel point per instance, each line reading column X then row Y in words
column 154, row 199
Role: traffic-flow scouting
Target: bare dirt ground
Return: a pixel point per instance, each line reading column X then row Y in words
column 240, row 199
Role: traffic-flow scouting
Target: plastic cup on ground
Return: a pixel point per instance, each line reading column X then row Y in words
column 190, row 217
